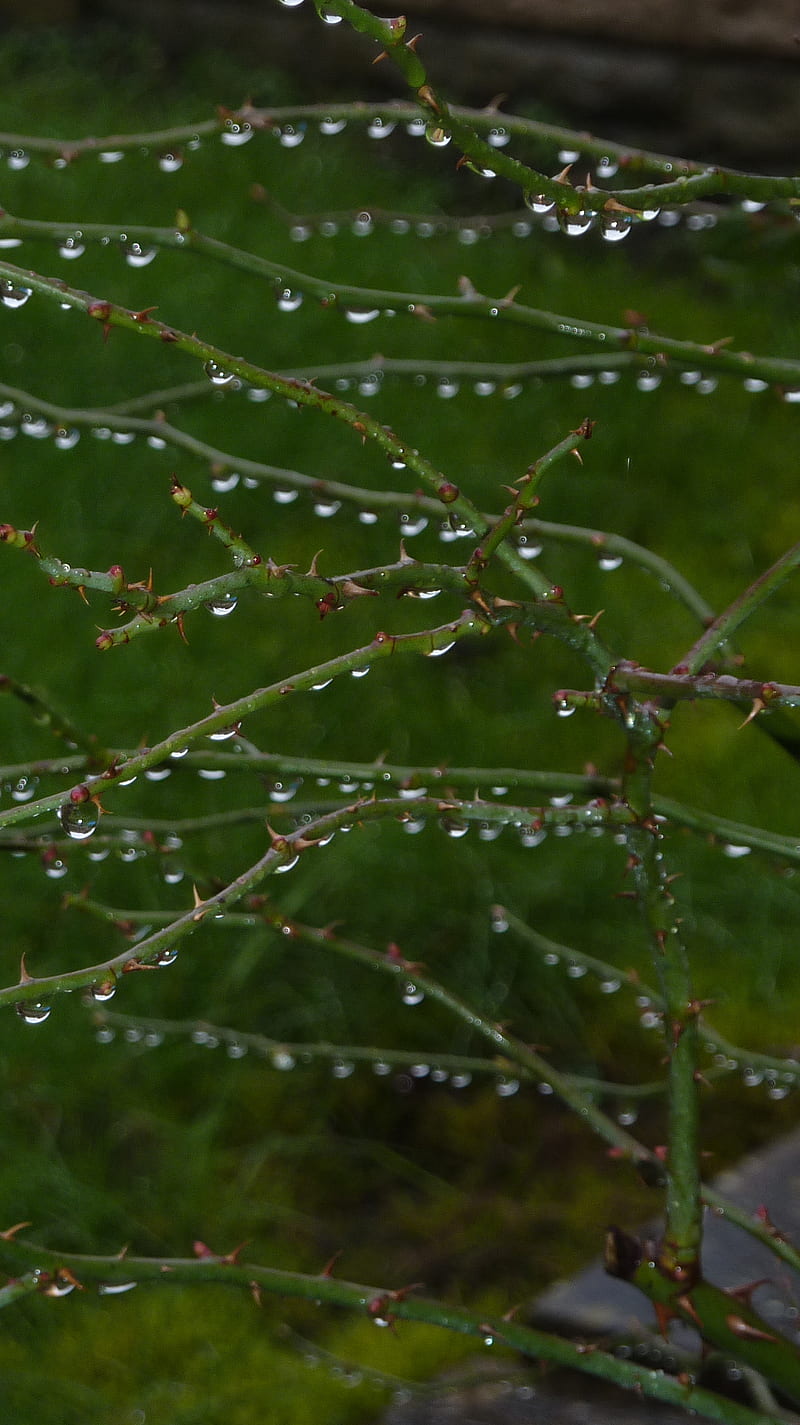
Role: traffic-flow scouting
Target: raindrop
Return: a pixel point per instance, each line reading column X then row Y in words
column 114, row 1288
column 568, row 155
column 506, row 1088
column 411, row 994
column 484, row 388
column 223, row 605
column 330, row 17
column 359, row 672
column 223, row 733
column 54, row 870
column 709, row 384
column 489, row 830
column 532, row 836
column 609, row 562
column 545, row 1089
column 18, row 159
column 440, row 652
column 328, row 228
column 367, row 517
column 290, row 137
column 285, row 497
column 498, row 138
column 170, row 162
column 289, row 301
column 342, row 1068
column 284, row 791
column 453, row 827
column 317, row 687
column 381, row 1068
column 234, row 135
column 332, row 126
column 283, row 1060
column 103, row 991
column 460, row 1081
column 690, row 378
column 158, row 774
column 79, row 820
column 33, row 1011
column 66, row 439
column 166, row 957
column 287, row 865
column 521, row 230
column 650, row 381
column 752, row 1077
column 211, row 774
column 467, row 236
column 12, row 296
column 539, row 203
column 415, row 128
column 564, row 709
column 156, row 443
column 626, row 1117
column 72, row 247
column 380, row 128
column 412, row 826
column 499, row 920
column 446, row 388
column 609, row 987
column 752, row 383
column 173, row 874
column 734, row 852
column 221, row 484
column 528, row 549
column 325, row 509
column 606, row 167
column 138, row 256
column 38, row 429
column 300, row 232
column 359, row 316
column 575, row 224
column 616, row 228
column 111, row 155
column 217, row 375
column 436, row 136
column 361, row 225
column 399, row 226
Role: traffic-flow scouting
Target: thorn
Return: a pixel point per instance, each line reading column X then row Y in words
column 419, row 309
column 563, row 176
column 744, row 1293
column 664, row 1315
column 405, row 557
column 255, row 1292
column 687, row 1306
column 313, row 572
column 758, row 707
column 198, row 902
column 746, row 1332
column 612, row 206
column 82, row 591
column 327, row 1270
column 180, row 627
column 24, row 977
column 11, row 1232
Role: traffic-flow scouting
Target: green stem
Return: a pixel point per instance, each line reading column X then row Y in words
column 732, row 618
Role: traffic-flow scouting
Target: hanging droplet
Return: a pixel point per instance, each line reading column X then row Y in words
column 223, row 605
column 33, row 1011
column 18, row 159
column 170, row 162
column 381, row 128
column 411, row 994
column 359, row 316
column 330, row 126
column 342, row 1068
column 284, row 791
column 539, row 203
column 291, row 137
column 79, row 820
column 411, row 525
column 111, row 155
column 330, row 17
column 454, row 827
column 234, row 135
column 606, row 167
column 446, row 388
column 575, row 970
column 326, row 509
column 222, row 484
column 12, row 296
column 138, row 256
column 575, row 224
column 614, row 229
column 285, row 497
column 287, row 865
column 505, row 1088
column 55, row 869
column 166, row 957
column 436, row 136
column 498, row 138
column 217, row 374
column 289, row 301
column 72, row 247
column 564, row 709
column 609, row 562
column 359, row 672
column 115, row 1288
column 499, row 920
column 65, row 439
column 528, row 548
column 440, row 652
column 531, row 836
column 283, row 1060
column 103, row 990
column 224, row 733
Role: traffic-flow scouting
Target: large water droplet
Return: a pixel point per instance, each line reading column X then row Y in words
column 72, row 247
column 291, row 137
column 221, row 484
column 170, row 162
column 359, row 316
column 138, row 256
column 217, row 374
column 332, row 126
column 289, row 301
column 381, row 128
column 223, row 605
column 79, row 820
column 234, row 135
column 411, row 994
column 33, row 1011
column 12, row 296
column 575, row 224
column 538, row 203
column 436, row 136
column 103, row 990
column 616, row 228
column 18, row 159
column 609, row 562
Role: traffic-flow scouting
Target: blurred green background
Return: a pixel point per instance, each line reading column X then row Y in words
column 484, row 1198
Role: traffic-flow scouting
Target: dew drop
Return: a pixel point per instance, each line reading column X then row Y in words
column 735, row 852
column 606, row 167
column 222, row 606
column 284, row 791
column 359, row 672
column 72, row 247
column 166, row 957
column 283, row 1060
column 79, row 820
column 234, row 135
column 103, row 990
column 411, row 994
column 115, row 1288
column 381, row 128
column 285, row 866
column 609, row 562
column 506, row 1088
column 12, row 296
column 18, row 159
column 361, row 225
column 454, row 827
column 317, row 687
column 332, row 126
column 291, row 137
column 138, row 256
column 326, row 509
column 609, row 987
column 616, row 228
column 222, row 484
column 289, row 301
column 446, row 388
column 460, row 1081
column 626, row 1117
column 359, row 316
column 342, row 1068
column 531, row 836
column 285, row 497
column 489, row 830
column 330, row 17
column 651, row 380
column 415, row 128
column 367, row 517
column 499, row 920
column 66, row 439
column 538, row 203
column 440, row 652
column 217, row 375
column 33, row 1011
column 575, row 224
column 54, row 870
column 111, row 155
column 528, row 549
column 564, row 709
column 436, row 136
column 223, row 733
column 381, row 1068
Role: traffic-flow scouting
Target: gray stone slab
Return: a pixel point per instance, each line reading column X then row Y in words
column 561, row 1401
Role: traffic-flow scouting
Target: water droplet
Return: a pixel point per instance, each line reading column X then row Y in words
column 734, row 852
column 79, row 820
column 454, row 827
column 415, row 128
column 72, row 247
column 545, row 1089
column 18, row 159
column 234, row 135
column 411, row 994
column 289, row 301
column 217, row 375
column 528, row 548
column 342, row 1068
column 330, row 17
column 325, row 509
column 285, row 866
column 506, row 1088
column 489, row 830
column 627, row 1116
column 530, row 836
column 499, row 920
column 283, row 1060
column 111, row 155
column 440, row 652
column 367, row 517
column 616, row 228
column 66, row 439
column 650, row 381
column 752, row 384
column 332, row 126
column 538, row 202
column 359, row 672
column 446, row 388
column 467, row 236
column 156, row 443
column 103, row 990
column 609, row 987
column 224, row 733
column 361, row 225
column 399, row 226
column 575, row 224
column 609, row 562
column 54, row 870
column 564, row 709
column 12, row 296
column 284, row 791
column 359, row 316
column 752, row 1077
column 222, row 484
column 317, row 687
column 285, row 497
column 498, row 138
column 606, row 167
column 166, row 957
column 38, row 429
column 138, row 256
column 223, row 605
column 114, row 1288
column 436, row 136
column 33, row 1011
column 291, row 137
column 381, row 128
column 158, row 774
